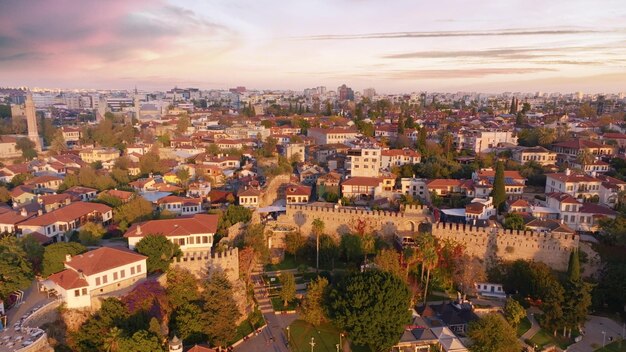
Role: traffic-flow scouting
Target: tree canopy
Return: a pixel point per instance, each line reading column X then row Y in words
column 373, row 307
column 15, row 270
column 159, row 250
column 220, row 310
column 492, row 333
column 313, row 304
column 54, row 256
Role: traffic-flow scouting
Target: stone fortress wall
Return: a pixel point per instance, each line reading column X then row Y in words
column 201, row 262
column 550, row 248
column 338, row 220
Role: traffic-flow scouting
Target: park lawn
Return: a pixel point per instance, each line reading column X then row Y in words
column 279, row 305
column 544, row 338
column 326, row 337
column 524, row 325
column 617, row 346
column 246, row 327
column 289, row 262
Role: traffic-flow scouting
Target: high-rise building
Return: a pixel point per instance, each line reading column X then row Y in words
column 345, row 93
column 31, row 121
column 369, row 93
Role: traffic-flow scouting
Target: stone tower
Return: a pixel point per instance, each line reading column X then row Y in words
column 31, row 121
column 175, row 345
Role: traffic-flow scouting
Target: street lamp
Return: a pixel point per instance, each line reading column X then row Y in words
column 603, row 338
column 312, row 343
column 340, row 336
column 288, row 335
column 337, row 347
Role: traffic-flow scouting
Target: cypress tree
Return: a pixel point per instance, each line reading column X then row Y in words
column 573, row 268
column 498, row 193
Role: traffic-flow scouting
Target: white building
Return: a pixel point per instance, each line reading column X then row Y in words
column 364, row 162
column 94, row 273
column 190, row 234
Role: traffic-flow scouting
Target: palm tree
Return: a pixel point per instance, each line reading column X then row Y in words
column 318, row 229
column 546, row 136
column 112, row 339
column 585, row 157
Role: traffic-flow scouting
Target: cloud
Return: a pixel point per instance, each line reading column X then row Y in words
column 462, row 73
column 443, row 34
column 94, row 33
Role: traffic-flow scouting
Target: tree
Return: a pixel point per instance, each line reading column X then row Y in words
column 183, row 176
column 54, row 256
column 27, row 147
column 4, row 194
column 150, row 163
column 186, row 323
column 318, row 229
column 351, row 248
column 137, row 209
column 373, row 307
column 141, row 341
column 294, row 242
column 15, row 270
column 467, row 271
column 159, row 250
column 499, row 194
column 182, row 287
column 313, row 309
column 220, row 310
column 255, row 238
column 577, row 295
column 91, row 233
column 492, row 333
column 552, row 306
column 183, row 124
column 513, row 221
column 58, row 145
column 573, row 267
column 513, row 312
column 247, row 263
column 33, row 250
column 428, row 254
column 389, row 260
column 288, row 288
column 97, row 330
column 112, row 339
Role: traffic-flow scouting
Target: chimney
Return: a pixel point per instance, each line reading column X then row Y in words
column 568, row 172
column 68, row 258
column 138, row 230
column 39, row 212
column 23, row 212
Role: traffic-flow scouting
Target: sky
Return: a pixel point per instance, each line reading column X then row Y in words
column 394, row 46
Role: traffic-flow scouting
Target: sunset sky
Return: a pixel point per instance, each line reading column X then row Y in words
column 394, row 46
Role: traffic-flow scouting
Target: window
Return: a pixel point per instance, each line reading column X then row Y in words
column 84, row 291
column 76, row 293
column 105, row 279
column 139, row 268
column 205, row 239
column 132, row 270
column 97, row 281
column 122, row 273
column 114, row 276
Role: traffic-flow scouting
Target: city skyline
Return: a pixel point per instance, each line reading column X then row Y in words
column 394, row 47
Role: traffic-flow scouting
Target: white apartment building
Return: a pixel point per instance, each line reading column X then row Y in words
column 364, row 162
column 415, row 187
column 578, row 185
column 484, row 141
column 192, row 233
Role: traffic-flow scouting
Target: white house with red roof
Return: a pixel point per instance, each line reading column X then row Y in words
column 367, row 188
column 576, row 184
column 95, row 273
column 180, row 205
column 249, row 198
column 399, row 157
column 70, row 217
column 297, row 194
column 577, row 215
column 190, row 233
column 332, row 135
column 514, row 183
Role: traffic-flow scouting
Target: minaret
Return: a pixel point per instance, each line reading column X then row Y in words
column 175, row 345
column 31, row 121
column 137, row 105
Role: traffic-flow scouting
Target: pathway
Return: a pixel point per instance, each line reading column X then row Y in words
column 593, row 337
column 272, row 338
column 534, row 326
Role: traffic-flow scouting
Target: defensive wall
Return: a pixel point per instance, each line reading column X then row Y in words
column 340, row 219
column 202, row 262
column 550, row 248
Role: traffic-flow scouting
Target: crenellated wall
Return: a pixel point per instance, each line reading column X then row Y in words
column 201, row 262
column 339, row 219
column 550, row 248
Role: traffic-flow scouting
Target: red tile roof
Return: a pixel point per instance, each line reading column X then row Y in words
column 363, row 181
column 182, row 226
column 68, row 279
column 67, row 213
column 103, row 259
column 297, row 190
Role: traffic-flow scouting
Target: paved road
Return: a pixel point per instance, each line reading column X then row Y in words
column 32, row 298
column 593, row 334
column 534, row 326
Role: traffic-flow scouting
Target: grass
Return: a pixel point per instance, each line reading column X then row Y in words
column 524, row 325
column 289, row 262
column 326, row 337
column 246, row 327
column 279, row 305
column 617, row 346
column 544, row 338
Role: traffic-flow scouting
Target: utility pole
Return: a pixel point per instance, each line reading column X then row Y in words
column 312, row 343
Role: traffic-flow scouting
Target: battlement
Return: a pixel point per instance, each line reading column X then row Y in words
column 477, row 230
column 200, row 262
